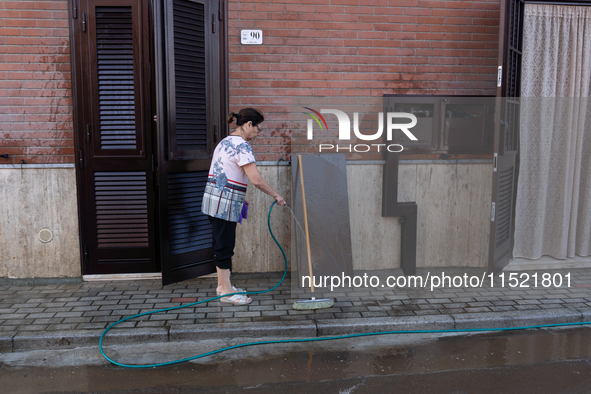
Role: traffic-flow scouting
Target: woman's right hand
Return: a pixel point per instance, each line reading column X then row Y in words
column 280, row 200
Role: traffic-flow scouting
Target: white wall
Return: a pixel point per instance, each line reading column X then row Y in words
column 453, row 217
column 32, row 199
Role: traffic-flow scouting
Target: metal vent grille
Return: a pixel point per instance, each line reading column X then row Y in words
column 189, row 69
column 114, row 43
column 189, row 229
column 121, row 209
column 503, row 206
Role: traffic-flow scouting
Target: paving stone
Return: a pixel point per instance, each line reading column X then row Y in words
column 30, row 310
column 32, row 327
column 502, row 308
column 347, row 315
column 13, row 316
column 438, row 300
column 479, row 304
column 464, row 299
column 79, row 303
column 163, row 316
column 453, row 310
column 274, row 313
column 373, row 314
column 67, row 299
column 41, row 315
column 56, row 310
column 550, row 306
column 91, row 299
column 59, row 327
column 128, row 312
column 85, row 308
column 150, row 324
column 219, row 315
column 294, row 312
column 576, row 305
column 69, row 314
column 105, row 302
column 53, row 320
column 112, row 307
column 96, row 313
column 108, row 319
column 76, row 319
column 52, row 304
column 89, row 326
column 527, row 302
column 354, row 309
column 455, row 305
column 526, row 307
column 478, row 309
column 131, row 302
column 552, row 301
column 247, row 314
column 261, row 308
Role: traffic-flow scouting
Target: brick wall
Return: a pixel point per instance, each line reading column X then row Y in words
column 356, row 48
column 310, row 48
column 35, row 89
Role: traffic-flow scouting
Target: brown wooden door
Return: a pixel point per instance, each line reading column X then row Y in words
column 506, row 134
column 190, row 104
column 114, row 151
column 140, row 184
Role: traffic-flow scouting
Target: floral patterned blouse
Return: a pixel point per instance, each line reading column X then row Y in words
column 226, row 184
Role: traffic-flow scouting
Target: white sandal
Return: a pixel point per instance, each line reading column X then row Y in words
column 236, row 290
column 237, row 299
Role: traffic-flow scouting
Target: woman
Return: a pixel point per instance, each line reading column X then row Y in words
column 233, row 163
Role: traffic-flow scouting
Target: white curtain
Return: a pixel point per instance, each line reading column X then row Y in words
column 553, row 209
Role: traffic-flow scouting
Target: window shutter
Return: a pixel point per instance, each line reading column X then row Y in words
column 115, row 178
column 188, row 84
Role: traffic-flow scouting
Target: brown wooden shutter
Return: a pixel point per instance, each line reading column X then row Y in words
column 115, row 180
column 506, row 134
column 188, row 70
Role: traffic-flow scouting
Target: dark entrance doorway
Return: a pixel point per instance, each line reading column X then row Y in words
column 140, row 182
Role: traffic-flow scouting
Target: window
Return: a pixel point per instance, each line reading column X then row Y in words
column 450, row 124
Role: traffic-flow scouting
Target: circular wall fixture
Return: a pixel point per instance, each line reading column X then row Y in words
column 45, row 235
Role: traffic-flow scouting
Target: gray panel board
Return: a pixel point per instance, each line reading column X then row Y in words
column 327, row 205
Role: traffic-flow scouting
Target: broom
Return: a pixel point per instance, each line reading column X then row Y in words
column 312, row 303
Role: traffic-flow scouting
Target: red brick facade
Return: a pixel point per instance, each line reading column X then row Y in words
column 357, row 48
column 35, row 89
column 310, row 48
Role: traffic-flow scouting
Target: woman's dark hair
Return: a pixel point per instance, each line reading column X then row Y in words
column 246, row 115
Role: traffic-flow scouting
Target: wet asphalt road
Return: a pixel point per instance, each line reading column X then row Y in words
column 533, row 361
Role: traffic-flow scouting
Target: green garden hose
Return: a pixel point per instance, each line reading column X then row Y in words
column 291, row 340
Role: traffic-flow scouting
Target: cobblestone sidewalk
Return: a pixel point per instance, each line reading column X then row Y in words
column 69, row 307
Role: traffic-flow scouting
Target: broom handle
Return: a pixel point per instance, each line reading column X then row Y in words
column 306, row 225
